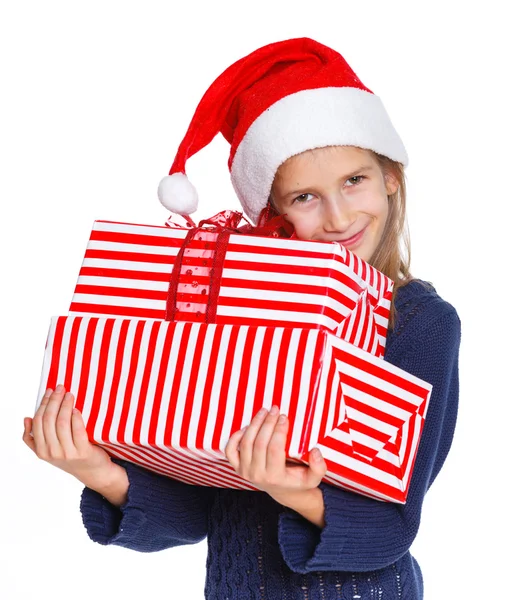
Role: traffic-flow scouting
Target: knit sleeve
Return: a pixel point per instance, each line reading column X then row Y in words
column 159, row 513
column 363, row 534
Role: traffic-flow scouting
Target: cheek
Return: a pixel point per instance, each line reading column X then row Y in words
column 379, row 224
column 304, row 224
column 383, row 212
column 374, row 204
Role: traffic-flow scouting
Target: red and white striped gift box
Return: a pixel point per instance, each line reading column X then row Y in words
column 132, row 270
column 168, row 395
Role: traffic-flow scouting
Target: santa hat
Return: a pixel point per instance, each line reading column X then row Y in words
column 280, row 100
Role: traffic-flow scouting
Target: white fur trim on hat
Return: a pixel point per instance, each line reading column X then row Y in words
column 305, row 120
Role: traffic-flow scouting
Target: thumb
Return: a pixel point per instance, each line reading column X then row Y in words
column 27, row 435
column 317, row 465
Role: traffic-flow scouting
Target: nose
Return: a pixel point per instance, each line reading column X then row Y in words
column 337, row 216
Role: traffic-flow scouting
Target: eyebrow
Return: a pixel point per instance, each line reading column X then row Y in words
column 361, row 169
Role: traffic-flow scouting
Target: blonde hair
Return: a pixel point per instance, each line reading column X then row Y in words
column 393, row 254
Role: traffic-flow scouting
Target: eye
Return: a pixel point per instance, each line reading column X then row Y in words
column 303, row 198
column 357, row 179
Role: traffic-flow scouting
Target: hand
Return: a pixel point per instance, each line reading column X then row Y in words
column 257, row 453
column 59, row 438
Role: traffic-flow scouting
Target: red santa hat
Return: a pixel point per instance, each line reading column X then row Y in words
column 279, row 101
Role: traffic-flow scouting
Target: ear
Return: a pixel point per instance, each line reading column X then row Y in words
column 391, row 183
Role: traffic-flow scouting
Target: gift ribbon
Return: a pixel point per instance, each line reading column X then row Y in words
column 171, row 301
column 224, row 224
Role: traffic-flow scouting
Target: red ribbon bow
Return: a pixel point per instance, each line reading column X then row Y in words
column 270, row 223
column 226, row 219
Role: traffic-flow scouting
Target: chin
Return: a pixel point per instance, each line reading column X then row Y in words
column 361, row 253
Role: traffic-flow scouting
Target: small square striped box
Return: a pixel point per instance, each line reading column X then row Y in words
column 127, row 272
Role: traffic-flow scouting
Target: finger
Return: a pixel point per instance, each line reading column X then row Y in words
column 37, row 424
column 45, row 398
column 49, row 421
column 246, row 443
column 27, row 437
column 64, row 424
column 232, row 450
column 79, row 431
column 276, row 456
column 263, row 440
column 44, row 401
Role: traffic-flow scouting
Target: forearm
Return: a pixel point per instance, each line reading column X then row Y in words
column 113, row 487
column 309, row 504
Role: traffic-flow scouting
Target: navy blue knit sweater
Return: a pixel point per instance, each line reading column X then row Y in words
column 258, row 549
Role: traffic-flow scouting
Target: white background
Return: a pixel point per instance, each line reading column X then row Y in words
column 95, row 98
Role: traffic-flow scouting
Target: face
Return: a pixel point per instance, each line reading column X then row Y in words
column 335, row 194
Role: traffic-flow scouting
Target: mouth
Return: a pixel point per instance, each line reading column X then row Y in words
column 353, row 239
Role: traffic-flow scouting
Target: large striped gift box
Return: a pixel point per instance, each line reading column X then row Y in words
column 168, row 395
column 209, row 276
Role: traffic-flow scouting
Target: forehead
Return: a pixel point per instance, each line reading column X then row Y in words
column 343, row 158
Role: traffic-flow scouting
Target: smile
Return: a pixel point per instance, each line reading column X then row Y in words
column 352, row 240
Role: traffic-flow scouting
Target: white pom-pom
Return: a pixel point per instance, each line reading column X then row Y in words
column 178, row 194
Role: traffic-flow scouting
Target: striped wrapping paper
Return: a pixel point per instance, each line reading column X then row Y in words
column 127, row 271
column 168, row 395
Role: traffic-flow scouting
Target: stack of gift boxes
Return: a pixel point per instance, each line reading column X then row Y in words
column 177, row 336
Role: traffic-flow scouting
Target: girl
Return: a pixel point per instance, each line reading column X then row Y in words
column 309, row 140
